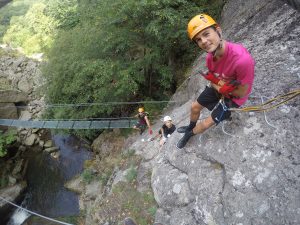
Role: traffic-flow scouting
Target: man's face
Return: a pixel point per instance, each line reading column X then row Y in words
column 208, row 39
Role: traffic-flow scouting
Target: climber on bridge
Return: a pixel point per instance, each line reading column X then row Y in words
column 165, row 131
column 230, row 75
column 143, row 121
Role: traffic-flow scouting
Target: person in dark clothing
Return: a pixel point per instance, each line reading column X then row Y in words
column 165, row 131
column 143, row 121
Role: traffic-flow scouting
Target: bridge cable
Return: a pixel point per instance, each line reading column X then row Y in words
column 34, row 213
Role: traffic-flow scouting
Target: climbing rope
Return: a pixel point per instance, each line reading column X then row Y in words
column 270, row 104
column 264, row 107
column 33, row 213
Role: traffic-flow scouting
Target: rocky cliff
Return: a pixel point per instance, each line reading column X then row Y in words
column 246, row 173
column 251, row 176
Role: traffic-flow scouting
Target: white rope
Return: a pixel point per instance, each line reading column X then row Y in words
column 265, row 113
column 90, row 104
column 33, row 213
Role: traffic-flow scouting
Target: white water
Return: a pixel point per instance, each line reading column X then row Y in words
column 18, row 217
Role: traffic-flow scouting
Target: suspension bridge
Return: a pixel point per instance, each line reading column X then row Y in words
column 70, row 124
column 93, row 123
column 129, row 122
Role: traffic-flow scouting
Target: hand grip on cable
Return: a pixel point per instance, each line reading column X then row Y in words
column 228, row 87
column 210, row 77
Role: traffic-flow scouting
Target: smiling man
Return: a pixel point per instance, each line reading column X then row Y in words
column 230, row 73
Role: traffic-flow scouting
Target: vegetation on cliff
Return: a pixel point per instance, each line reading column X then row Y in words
column 6, row 139
column 104, row 51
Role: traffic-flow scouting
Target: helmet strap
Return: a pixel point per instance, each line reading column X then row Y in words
column 220, row 46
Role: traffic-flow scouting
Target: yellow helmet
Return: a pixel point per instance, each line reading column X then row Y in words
column 199, row 23
column 141, row 109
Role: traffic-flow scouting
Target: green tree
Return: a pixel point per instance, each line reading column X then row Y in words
column 120, row 51
column 76, row 75
column 64, row 12
column 151, row 37
column 13, row 9
column 33, row 31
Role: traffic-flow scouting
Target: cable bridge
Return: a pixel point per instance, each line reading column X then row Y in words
column 70, row 124
column 129, row 122
column 92, row 123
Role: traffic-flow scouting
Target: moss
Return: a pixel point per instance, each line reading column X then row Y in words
column 131, row 174
column 87, row 176
column 3, row 182
column 127, row 201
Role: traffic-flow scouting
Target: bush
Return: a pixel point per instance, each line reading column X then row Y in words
column 105, row 177
column 152, row 211
column 5, row 140
column 3, row 182
column 87, row 176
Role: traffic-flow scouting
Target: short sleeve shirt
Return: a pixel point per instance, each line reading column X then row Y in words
column 168, row 130
column 235, row 64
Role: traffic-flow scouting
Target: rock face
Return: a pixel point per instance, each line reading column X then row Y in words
column 8, row 98
column 12, row 96
column 20, row 79
column 253, row 175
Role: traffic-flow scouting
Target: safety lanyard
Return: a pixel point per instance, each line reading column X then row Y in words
column 224, row 107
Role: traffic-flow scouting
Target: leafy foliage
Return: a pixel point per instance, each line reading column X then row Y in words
column 33, row 25
column 120, row 51
column 5, row 140
column 87, row 176
column 106, row 51
column 12, row 9
column 64, row 12
column 33, row 31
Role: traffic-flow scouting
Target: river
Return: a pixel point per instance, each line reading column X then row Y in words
column 46, row 176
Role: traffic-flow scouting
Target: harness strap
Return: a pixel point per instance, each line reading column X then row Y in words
column 224, row 107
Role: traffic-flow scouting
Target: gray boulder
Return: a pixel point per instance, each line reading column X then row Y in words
column 12, row 96
column 8, row 111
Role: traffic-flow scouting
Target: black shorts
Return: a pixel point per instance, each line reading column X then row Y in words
column 140, row 125
column 209, row 98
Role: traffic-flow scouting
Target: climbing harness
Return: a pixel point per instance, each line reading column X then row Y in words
column 263, row 107
column 224, row 109
column 33, row 213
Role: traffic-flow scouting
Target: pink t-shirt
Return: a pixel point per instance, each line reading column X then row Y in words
column 235, row 64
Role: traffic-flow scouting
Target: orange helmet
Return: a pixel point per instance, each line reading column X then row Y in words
column 199, row 23
column 141, row 109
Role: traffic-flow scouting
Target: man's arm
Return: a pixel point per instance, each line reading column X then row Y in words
column 162, row 132
column 148, row 124
column 157, row 135
column 240, row 90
